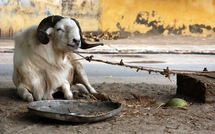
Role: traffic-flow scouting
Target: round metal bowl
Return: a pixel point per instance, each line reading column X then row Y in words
column 75, row 111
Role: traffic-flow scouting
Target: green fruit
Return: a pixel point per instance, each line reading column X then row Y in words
column 176, row 102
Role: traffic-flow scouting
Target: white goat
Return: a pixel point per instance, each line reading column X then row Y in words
column 44, row 62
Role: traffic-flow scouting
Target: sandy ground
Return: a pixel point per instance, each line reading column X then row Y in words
column 142, row 115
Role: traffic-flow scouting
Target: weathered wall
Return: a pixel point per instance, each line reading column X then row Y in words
column 183, row 17
column 85, row 11
column 18, row 14
column 187, row 17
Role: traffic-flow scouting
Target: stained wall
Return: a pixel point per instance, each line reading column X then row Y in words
column 18, row 14
column 186, row 17
column 165, row 17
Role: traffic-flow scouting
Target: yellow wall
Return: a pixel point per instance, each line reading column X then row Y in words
column 15, row 15
column 169, row 13
column 85, row 11
column 186, row 17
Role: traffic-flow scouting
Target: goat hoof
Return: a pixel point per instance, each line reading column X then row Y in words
column 92, row 91
column 69, row 96
column 29, row 98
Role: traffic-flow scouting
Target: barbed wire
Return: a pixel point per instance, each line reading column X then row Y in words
column 166, row 72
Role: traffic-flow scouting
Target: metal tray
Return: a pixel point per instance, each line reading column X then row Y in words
column 75, row 111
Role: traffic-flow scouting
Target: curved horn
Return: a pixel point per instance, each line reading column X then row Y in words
column 84, row 44
column 44, row 25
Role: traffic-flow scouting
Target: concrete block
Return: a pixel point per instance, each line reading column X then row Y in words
column 198, row 87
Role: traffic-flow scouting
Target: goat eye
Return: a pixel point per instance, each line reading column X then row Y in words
column 59, row 29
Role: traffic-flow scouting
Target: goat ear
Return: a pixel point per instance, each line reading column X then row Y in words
column 43, row 30
column 43, row 36
column 84, row 44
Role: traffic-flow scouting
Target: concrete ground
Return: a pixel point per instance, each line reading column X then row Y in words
column 147, row 44
column 157, row 52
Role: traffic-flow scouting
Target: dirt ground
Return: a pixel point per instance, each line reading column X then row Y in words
column 139, row 115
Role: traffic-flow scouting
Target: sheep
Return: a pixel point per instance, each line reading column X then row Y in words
column 44, row 60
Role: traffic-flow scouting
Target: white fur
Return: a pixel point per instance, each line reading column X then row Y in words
column 40, row 70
